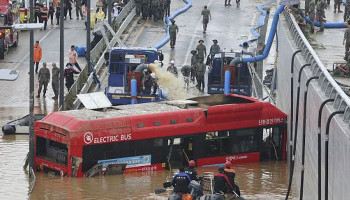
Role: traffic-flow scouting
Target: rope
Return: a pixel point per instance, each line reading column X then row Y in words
column 188, row 160
column 273, row 145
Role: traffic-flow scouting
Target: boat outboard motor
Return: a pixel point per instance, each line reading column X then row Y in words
column 196, row 189
column 174, row 196
column 215, row 197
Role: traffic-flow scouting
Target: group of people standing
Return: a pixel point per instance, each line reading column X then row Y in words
column 174, row 29
column 44, row 74
column 316, row 9
column 196, row 71
column 42, row 13
column 159, row 9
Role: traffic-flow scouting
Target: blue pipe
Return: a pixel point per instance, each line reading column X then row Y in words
column 261, row 21
column 327, row 25
column 133, row 90
column 269, row 40
column 227, row 81
column 168, row 22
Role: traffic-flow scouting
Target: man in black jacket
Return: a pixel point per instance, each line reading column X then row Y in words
column 181, row 181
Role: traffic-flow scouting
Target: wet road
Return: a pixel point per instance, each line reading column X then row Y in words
column 17, row 92
column 229, row 25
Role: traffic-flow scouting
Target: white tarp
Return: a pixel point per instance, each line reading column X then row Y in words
column 8, row 74
column 94, row 100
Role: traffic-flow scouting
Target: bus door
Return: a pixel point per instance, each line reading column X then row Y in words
column 274, row 143
column 180, row 151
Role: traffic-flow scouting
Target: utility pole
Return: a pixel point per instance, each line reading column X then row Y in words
column 88, row 31
column 31, row 89
column 109, row 12
column 61, row 96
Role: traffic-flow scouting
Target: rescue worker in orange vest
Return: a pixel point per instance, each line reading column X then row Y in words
column 37, row 55
column 44, row 12
column 221, row 182
column 231, row 173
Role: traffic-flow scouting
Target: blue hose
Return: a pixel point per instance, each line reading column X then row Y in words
column 168, row 22
column 261, row 21
column 327, row 25
column 269, row 40
column 227, row 81
column 133, row 91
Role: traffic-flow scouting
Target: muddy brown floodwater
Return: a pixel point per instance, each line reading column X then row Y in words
column 265, row 180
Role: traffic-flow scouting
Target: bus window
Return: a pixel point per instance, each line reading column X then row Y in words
column 93, row 153
column 50, row 150
column 246, row 140
column 217, row 143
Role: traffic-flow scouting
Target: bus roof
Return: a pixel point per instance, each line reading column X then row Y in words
column 206, row 113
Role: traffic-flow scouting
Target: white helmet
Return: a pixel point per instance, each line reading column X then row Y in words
column 172, row 62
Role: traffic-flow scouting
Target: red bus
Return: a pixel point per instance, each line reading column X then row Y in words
column 154, row 136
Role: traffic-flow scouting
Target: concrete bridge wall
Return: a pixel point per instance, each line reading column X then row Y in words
column 290, row 38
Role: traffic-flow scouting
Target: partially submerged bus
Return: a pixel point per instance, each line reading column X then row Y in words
column 154, row 136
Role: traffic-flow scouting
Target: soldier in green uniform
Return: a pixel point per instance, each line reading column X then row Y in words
column 44, row 79
column 138, row 7
column 55, row 80
column 346, row 39
column 200, row 71
column 154, row 9
column 320, row 7
column 206, row 17
column 307, row 6
column 161, row 10
column 167, row 7
column 194, row 61
column 312, row 15
column 337, row 4
column 347, row 11
column 201, row 50
column 145, row 8
column 215, row 48
column 173, row 30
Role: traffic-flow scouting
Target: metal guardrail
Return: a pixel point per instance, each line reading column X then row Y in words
column 326, row 81
column 85, row 80
column 32, row 180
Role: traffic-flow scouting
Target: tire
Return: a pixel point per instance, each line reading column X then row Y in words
column 2, row 50
column 15, row 44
